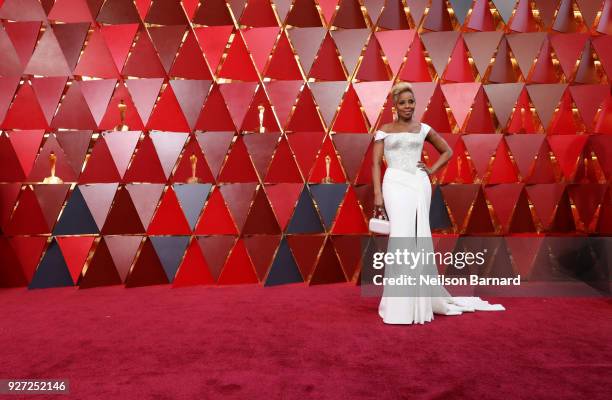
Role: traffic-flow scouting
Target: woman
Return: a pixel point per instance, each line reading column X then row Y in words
column 405, row 193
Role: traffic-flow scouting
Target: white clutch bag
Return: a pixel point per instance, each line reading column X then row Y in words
column 379, row 223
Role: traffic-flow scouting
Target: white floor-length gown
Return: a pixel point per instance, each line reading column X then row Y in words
column 407, row 196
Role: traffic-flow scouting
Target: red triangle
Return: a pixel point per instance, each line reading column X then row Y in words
column 101, row 270
column 193, row 269
column 145, row 166
column 123, row 250
column 238, row 166
column 216, row 218
column 545, row 198
column 283, row 167
column 75, row 251
column 415, row 69
column 327, row 65
column 238, row 268
column 372, row 67
column 502, row 170
column 261, row 218
column 169, row 218
column 523, row 120
column 328, row 268
column 459, row 68
column 190, row 62
column 49, row 91
column 96, row 60
column 480, row 219
column 215, row 116
column 305, row 116
column 459, row 199
column 238, row 63
column 144, row 93
column 504, row 199
column 167, row 40
column 349, row 249
column 284, row 197
column 100, row 167
column 118, row 39
column 282, row 64
column 25, row 112
column 167, row 115
column 147, row 270
column 524, row 150
column 436, row 115
column 479, row 119
column 27, row 218
column 305, row 249
column 71, row 11
column 459, row 167
column 567, row 149
column 262, row 249
column 350, row 217
column 586, row 199
column 239, row 197
column 216, row 249
column 28, row 250
column 213, row 39
column 563, row 122
column 261, row 148
column 305, row 147
column 25, row 145
column 123, row 217
column 73, row 111
column 51, row 199
column 349, row 117
column 143, row 61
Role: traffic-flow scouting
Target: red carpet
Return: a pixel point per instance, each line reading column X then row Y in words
column 292, row 342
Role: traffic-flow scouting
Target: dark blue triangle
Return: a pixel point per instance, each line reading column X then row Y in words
column 192, row 198
column 328, row 197
column 438, row 215
column 52, row 270
column 284, row 269
column 305, row 218
column 76, row 218
column 461, row 8
column 170, row 250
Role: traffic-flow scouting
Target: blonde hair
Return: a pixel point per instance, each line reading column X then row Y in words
column 400, row 88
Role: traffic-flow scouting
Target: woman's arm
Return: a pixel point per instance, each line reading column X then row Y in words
column 443, row 148
column 377, row 155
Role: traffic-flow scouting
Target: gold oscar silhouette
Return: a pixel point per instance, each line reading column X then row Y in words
column 122, row 109
column 261, row 109
column 194, row 161
column 52, row 179
column 327, row 178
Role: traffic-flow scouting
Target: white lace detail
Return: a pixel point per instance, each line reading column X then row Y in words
column 403, row 150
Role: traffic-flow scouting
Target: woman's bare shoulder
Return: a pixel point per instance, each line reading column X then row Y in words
column 388, row 127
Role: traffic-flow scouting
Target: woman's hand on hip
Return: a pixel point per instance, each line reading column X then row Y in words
column 424, row 167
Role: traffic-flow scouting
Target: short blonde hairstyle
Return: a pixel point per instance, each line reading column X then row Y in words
column 400, row 88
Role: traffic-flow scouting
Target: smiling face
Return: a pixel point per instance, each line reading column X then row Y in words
column 405, row 105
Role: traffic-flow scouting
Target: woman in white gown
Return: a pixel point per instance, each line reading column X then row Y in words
column 405, row 193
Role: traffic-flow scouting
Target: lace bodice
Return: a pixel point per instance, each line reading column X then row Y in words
column 403, row 150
